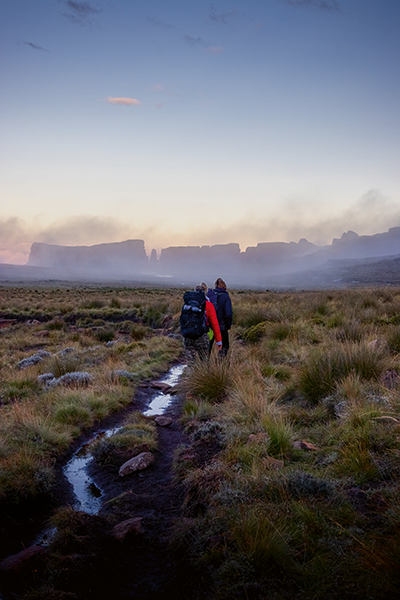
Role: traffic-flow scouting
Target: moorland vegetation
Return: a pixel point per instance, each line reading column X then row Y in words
column 292, row 469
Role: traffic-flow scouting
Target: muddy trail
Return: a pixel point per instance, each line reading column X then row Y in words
column 127, row 549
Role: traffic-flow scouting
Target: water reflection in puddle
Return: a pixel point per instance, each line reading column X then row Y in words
column 161, row 401
column 88, row 495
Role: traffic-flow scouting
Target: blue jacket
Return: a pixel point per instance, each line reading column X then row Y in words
column 212, row 296
column 224, row 309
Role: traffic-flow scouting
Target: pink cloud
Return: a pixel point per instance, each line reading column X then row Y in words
column 124, row 101
column 215, row 50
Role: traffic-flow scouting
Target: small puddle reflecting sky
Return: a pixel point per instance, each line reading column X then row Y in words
column 87, row 493
column 161, row 401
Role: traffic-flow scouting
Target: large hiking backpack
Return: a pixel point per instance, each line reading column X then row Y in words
column 193, row 319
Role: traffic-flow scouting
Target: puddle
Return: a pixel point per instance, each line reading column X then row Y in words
column 88, row 495
column 161, row 401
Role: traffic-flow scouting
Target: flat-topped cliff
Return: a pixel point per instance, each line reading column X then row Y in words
column 123, row 256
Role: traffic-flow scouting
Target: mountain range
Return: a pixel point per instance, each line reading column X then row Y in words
column 350, row 260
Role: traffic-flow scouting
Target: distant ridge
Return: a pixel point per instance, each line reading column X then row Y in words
column 256, row 266
column 123, row 256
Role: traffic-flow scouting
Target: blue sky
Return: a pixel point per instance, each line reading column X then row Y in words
column 191, row 123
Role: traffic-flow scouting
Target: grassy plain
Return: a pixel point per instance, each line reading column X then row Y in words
column 293, row 468
column 301, row 498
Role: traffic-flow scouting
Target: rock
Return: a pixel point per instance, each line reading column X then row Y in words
column 26, row 559
column 33, row 360
column 137, row 463
column 390, row 379
column 158, row 385
column 43, row 333
column 379, row 345
column 304, row 445
column 127, row 527
column 45, row 377
column 163, row 421
column 7, row 322
column 67, row 350
column 273, row 463
column 258, row 438
column 78, row 378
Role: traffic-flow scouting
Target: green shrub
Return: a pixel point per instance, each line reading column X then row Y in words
column 19, row 389
column 138, row 331
column 305, row 485
column 281, row 331
column 281, row 435
column 281, row 373
column 105, row 335
column 56, row 324
column 96, row 303
column 326, row 367
column 115, row 302
column 254, row 333
column 74, row 413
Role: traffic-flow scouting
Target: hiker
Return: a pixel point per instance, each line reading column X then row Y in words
column 197, row 316
column 210, row 295
column 224, row 313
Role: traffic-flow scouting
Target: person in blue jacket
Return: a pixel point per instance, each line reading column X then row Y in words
column 224, row 313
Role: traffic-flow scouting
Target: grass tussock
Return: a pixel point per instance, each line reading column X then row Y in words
column 208, row 380
column 325, row 367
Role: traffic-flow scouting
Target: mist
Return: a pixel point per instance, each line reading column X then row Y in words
column 265, row 265
column 296, row 218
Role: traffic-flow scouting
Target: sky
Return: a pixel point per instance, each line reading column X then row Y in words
column 193, row 123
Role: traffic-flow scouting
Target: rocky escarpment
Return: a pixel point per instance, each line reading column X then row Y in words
column 125, row 256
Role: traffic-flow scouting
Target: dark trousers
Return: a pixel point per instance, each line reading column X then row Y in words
column 225, row 343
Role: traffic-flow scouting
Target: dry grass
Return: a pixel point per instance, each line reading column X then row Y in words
column 292, row 472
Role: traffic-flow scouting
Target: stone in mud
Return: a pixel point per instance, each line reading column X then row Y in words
column 26, row 559
column 163, row 421
column 159, row 385
column 304, row 445
column 127, row 527
column 137, row 463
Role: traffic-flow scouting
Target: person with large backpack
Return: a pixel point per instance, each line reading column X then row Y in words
column 197, row 316
column 224, row 313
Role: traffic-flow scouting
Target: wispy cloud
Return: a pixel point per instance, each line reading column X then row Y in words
column 328, row 5
column 35, row 46
column 159, row 22
column 124, row 101
column 223, row 18
column 80, row 13
column 195, row 41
